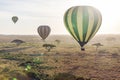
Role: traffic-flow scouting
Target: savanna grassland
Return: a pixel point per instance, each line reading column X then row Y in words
column 32, row 61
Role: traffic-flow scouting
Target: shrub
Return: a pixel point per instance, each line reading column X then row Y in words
column 64, row 76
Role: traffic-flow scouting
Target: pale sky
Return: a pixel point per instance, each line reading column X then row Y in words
column 33, row 13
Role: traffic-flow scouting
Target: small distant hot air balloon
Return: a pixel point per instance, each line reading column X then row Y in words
column 82, row 22
column 14, row 19
column 44, row 31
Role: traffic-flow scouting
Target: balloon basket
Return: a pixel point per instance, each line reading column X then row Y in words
column 82, row 49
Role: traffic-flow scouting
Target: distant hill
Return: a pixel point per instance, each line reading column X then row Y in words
column 102, row 38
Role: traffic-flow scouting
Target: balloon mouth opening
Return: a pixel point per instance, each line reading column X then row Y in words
column 82, row 45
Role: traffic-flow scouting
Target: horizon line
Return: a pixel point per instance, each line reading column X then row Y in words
column 53, row 34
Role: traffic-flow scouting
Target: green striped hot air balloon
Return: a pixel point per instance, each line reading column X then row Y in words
column 82, row 22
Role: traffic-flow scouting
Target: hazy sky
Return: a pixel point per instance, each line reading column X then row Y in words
column 33, row 13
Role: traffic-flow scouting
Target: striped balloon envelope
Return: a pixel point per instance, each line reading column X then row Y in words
column 82, row 22
column 44, row 31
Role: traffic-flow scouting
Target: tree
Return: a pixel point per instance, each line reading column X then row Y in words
column 48, row 46
column 17, row 42
column 57, row 41
column 97, row 45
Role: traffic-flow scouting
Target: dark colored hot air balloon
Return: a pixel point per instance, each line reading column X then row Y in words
column 44, row 31
column 82, row 22
column 14, row 19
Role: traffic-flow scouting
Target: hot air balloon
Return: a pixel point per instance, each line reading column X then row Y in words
column 82, row 22
column 14, row 19
column 44, row 31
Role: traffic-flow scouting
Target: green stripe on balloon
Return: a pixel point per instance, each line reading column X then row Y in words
column 74, row 22
column 85, row 22
column 94, row 26
column 67, row 24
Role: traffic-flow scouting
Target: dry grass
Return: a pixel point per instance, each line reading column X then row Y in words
column 66, row 57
